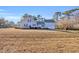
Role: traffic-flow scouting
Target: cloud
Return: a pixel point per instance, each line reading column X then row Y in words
column 13, row 18
column 10, row 16
column 2, row 10
column 5, row 13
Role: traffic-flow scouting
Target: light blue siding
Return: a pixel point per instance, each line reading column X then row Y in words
column 50, row 25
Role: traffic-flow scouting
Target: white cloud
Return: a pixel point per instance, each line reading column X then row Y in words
column 3, row 13
column 6, row 13
column 13, row 18
column 10, row 16
column 2, row 10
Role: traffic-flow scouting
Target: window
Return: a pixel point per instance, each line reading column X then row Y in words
column 34, row 24
column 29, row 20
column 26, row 25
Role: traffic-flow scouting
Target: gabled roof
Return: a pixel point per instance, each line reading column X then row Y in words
column 49, row 21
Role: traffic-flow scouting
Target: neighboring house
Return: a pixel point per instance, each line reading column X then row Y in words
column 74, row 15
column 73, row 18
column 30, row 22
column 40, row 24
column 27, row 22
column 49, row 24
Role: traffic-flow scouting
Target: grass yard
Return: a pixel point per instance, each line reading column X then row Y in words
column 37, row 41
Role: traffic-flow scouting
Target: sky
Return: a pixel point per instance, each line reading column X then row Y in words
column 14, row 13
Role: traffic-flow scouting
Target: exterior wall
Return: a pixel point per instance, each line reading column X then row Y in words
column 40, row 24
column 29, row 22
column 75, row 13
column 26, row 24
column 50, row 25
column 23, row 25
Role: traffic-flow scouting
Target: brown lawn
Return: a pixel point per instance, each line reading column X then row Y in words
column 37, row 41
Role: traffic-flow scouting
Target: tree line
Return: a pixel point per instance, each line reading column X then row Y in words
column 5, row 23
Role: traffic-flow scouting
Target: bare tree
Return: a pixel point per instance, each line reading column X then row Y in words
column 65, row 24
column 2, row 22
